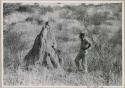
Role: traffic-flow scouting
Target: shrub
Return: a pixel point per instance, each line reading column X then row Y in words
column 8, row 8
column 25, row 8
column 44, row 9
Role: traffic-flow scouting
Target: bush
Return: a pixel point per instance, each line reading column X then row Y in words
column 8, row 8
column 44, row 9
column 25, row 8
column 106, row 59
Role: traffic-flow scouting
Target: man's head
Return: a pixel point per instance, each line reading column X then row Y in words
column 46, row 24
column 81, row 35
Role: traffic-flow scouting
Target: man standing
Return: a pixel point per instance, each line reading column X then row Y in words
column 81, row 55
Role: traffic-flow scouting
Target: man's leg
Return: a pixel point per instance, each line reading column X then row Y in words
column 77, row 59
column 83, row 62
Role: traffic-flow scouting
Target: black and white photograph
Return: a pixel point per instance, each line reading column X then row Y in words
column 62, row 44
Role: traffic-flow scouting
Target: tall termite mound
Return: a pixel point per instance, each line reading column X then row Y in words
column 44, row 49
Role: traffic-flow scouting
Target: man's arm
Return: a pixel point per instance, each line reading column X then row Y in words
column 87, row 44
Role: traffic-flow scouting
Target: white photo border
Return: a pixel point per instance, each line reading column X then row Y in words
column 64, row 1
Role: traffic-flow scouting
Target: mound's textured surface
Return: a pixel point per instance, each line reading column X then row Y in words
column 44, row 49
